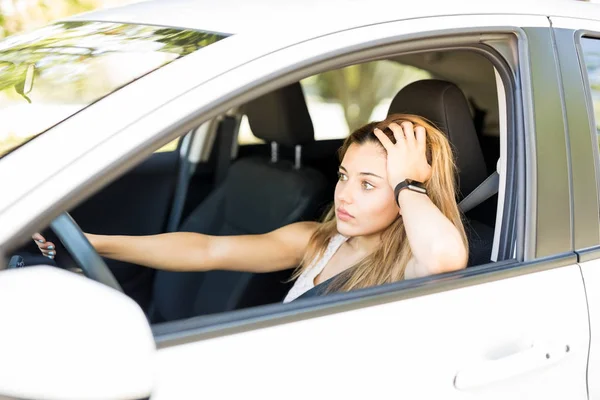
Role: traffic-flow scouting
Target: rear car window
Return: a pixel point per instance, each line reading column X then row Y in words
column 49, row 74
column 591, row 56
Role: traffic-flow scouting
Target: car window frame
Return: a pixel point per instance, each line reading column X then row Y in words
column 178, row 332
column 371, row 38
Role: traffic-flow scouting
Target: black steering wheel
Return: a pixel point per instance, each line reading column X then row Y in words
column 82, row 251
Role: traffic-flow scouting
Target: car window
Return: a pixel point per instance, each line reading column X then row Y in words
column 171, row 146
column 50, row 74
column 342, row 100
column 591, row 56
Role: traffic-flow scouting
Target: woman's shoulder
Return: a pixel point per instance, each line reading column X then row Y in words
column 297, row 234
column 309, row 226
column 304, row 230
column 293, row 238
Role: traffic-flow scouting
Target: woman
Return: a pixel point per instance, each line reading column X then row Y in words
column 394, row 216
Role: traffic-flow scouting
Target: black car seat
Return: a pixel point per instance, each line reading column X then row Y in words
column 444, row 104
column 257, row 195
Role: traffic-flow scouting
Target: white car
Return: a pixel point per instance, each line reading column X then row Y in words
column 235, row 88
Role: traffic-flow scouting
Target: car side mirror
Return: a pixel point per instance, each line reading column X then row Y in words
column 65, row 336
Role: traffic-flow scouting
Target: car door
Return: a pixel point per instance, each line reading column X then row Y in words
column 578, row 47
column 517, row 328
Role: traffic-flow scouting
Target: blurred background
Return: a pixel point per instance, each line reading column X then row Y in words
column 25, row 15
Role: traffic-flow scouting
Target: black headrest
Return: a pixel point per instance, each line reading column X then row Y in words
column 281, row 116
column 444, row 104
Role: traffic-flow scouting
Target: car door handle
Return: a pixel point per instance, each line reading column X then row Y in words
column 490, row 371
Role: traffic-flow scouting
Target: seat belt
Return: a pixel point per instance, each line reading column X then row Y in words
column 183, row 177
column 225, row 136
column 481, row 193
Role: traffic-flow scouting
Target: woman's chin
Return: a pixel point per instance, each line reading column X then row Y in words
column 354, row 230
column 345, row 229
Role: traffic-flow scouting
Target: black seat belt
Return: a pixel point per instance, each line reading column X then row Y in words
column 183, row 177
column 225, row 136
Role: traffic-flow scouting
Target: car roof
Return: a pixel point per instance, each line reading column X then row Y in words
column 237, row 16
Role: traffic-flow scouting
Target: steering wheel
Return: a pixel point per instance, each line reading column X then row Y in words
column 82, row 251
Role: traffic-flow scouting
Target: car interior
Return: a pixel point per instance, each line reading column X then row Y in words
column 286, row 176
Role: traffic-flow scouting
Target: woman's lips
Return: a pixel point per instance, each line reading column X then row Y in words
column 344, row 215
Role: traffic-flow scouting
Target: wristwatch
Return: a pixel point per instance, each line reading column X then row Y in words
column 409, row 184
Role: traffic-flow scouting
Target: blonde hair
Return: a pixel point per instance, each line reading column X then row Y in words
column 388, row 262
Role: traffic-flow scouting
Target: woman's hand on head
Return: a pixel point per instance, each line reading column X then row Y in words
column 406, row 159
column 47, row 248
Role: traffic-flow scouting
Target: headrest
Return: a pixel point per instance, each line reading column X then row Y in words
column 444, row 104
column 281, row 116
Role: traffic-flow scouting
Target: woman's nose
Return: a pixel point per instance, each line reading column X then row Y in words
column 344, row 193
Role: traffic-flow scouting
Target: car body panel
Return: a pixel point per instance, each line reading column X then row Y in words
column 411, row 348
column 552, row 167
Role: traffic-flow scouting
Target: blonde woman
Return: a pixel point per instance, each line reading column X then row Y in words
column 394, row 217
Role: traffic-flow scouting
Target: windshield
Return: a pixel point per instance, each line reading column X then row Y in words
column 50, row 74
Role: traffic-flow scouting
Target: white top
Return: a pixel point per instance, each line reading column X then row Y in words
column 306, row 280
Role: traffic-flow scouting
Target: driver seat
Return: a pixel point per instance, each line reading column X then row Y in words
column 444, row 104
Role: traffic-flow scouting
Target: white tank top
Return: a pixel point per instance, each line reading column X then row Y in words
column 306, row 280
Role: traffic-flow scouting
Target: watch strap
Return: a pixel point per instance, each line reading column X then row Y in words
column 409, row 184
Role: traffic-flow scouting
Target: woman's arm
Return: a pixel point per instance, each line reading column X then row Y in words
column 435, row 242
column 186, row 251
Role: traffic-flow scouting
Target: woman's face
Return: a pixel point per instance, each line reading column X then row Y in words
column 364, row 200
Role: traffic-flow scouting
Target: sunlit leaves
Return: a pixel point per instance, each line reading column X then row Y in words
column 64, row 67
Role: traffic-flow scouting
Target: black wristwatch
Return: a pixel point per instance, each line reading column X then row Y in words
column 409, row 184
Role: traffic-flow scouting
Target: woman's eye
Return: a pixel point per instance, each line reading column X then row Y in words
column 342, row 177
column 367, row 186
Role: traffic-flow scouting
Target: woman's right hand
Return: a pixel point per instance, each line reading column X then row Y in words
column 47, row 248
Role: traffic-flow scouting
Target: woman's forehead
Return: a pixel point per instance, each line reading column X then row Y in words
column 366, row 157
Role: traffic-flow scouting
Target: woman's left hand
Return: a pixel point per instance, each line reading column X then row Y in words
column 406, row 159
column 47, row 248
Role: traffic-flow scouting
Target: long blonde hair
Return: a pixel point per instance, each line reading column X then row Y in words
column 388, row 262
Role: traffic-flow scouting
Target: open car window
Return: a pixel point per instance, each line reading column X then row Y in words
column 56, row 71
column 341, row 100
